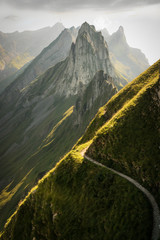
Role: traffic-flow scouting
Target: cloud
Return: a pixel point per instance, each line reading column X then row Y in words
column 68, row 5
column 11, row 18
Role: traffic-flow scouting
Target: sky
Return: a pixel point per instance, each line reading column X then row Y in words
column 140, row 18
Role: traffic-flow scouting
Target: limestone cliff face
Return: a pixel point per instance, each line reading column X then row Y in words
column 86, row 73
column 88, row 55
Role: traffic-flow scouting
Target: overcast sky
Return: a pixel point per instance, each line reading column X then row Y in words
column 140, row 18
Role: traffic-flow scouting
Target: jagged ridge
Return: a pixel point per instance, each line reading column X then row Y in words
column 130, row 62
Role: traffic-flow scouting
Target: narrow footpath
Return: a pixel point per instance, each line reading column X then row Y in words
column 156, row 212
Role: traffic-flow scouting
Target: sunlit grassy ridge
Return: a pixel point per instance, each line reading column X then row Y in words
column 120, row 99
column 7, row 194
column 129, row 140
column 78, row 200
column 51, row 134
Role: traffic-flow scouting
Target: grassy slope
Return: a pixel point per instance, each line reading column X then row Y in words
column 78, row 200
column 83, row 201
column 128, row 131
column 120, row 99
column 61, row 138
column 29, row 157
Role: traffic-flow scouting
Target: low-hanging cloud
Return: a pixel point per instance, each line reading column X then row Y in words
column 68, row 5
column 11, row 18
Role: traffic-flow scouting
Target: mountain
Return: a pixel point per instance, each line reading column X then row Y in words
column 57, row 51
column 79, row 199
column 18, row 48
column 41, row 119
column 130, row 62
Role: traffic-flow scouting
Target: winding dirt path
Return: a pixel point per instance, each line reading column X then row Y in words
column 156, row 212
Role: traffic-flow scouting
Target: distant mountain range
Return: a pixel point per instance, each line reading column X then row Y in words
column 18, row 48
column 130, row 62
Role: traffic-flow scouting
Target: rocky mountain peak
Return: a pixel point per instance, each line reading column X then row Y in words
column 118, row 43
column 58, row 24
column 85, row 27
column 130, row 62
column 121, row 29
column 88, row 33
column 88, row 55
column 58, row 27
column 119, row 36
